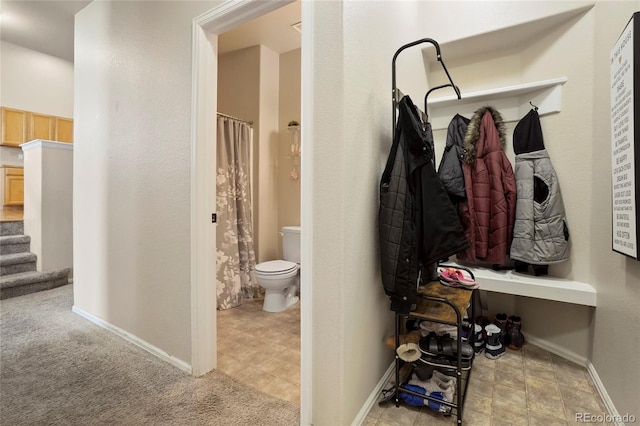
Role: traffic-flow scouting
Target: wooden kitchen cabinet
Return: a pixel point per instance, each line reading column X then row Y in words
column 14, row 127
column 41, row 126
column 13, row 186
column 64, row 130
column 20, row 126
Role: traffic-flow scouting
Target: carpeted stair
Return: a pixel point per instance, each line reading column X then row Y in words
column 18, row 273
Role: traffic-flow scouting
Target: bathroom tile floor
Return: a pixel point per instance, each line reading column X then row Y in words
column 526, row 387
column 261, row 349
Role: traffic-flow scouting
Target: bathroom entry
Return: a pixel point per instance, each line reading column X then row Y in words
column 259, row 81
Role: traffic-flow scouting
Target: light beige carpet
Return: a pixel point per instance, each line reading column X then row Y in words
column 57, row 368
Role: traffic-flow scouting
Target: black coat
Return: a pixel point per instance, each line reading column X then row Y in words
column 418, row 225
column 450, row 169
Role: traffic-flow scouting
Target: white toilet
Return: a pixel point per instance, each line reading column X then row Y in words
column 280, row 278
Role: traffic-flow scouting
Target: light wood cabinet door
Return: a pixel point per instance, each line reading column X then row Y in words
column 13, row 186
column 41, row 126
column 64, row 130
column 14, row 127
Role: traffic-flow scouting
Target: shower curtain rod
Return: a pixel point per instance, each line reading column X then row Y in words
column 250, row 123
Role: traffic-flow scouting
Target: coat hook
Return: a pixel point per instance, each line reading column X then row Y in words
column 535, row 107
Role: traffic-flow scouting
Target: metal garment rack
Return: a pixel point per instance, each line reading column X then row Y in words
column 434, row 298
column 396, row 93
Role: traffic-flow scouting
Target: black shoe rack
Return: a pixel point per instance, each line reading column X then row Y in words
column 445, row 305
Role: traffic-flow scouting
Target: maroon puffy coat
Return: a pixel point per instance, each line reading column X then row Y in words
column 488, row 213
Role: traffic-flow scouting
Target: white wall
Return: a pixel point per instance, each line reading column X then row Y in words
column 615, row 334
column 268, row 155
column 353, row 43
column 290, row 98
column 36, row 82
column 48, row 208
column 132, row 168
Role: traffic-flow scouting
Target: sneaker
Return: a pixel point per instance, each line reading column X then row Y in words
column 516, row 339
column 501, row 321
column 445, row 379
column 434, row 385
column 445, row 362
column 493, row 349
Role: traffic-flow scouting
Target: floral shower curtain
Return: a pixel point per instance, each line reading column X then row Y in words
column 235, row 255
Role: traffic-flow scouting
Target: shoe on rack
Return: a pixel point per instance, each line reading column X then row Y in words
column 501, row 321
column 434, row 384
column 435, row 345
column 516, row 339
column 445, row 362
column 493, row 349
column 443, row 378
column 457, row 276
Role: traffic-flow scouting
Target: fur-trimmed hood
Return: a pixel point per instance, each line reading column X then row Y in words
column 494, row 130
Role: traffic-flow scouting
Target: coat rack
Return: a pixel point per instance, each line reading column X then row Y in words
column 395, row 91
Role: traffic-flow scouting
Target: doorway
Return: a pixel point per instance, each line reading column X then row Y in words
column 206, row 29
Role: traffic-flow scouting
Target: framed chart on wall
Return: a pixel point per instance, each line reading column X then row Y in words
column 625, row 134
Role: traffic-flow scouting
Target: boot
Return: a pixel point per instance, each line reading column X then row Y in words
column 516, row 339
column 501, row 322
column 493, row 349
column 478, row 341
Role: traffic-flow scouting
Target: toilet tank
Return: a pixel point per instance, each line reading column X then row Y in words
column 291, row 243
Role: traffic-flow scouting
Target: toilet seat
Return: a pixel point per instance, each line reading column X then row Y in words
column 276, row 267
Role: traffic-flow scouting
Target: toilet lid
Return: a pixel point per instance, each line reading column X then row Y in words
column 276, row 267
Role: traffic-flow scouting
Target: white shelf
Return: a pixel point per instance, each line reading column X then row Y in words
column 512, row 101
column 548, row 288
column 507, row 39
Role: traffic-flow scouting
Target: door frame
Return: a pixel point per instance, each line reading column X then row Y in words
column 205, row 31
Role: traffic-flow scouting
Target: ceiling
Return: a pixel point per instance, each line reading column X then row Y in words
column 47, row 27
column 272, row 30
column 43, row 26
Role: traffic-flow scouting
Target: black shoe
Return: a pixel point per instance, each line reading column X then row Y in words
column 445, row 362
column 434, row 345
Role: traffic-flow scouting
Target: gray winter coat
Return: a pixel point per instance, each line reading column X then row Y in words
column 540, row 234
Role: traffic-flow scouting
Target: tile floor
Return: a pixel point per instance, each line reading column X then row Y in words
column 526, row 387
column 261, row 349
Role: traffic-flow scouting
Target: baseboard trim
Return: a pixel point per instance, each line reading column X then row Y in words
column 580, row 360
column 556, row 349
column 373, row 397
column 613, row 412
column 153, row 350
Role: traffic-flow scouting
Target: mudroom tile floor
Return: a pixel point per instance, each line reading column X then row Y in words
column 526, row 387
column 261, row 349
